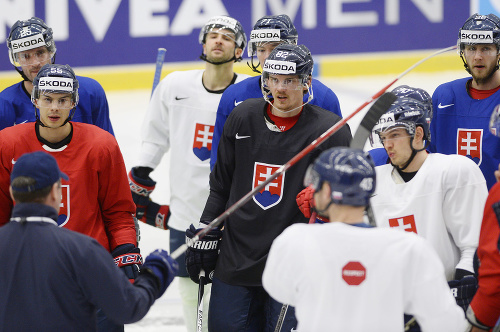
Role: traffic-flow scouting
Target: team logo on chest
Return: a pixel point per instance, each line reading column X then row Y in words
column 202, row 143
column 470, row 143
column 271, row 194
column 406, row 223
column 64, row 210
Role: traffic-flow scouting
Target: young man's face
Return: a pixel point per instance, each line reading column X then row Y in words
column 54, row 108
column 397, row 144
column 287, row 91
column 264, row 50
column 220, row 45
column 33, row 60
column 482, row 60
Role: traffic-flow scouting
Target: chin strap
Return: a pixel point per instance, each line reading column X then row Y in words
column 71, row 114
column 254, row 67
column 468, row 69
column 413, row 154
column 204, row 58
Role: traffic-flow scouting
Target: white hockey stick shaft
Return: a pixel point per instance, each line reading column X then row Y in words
column 160, row 57
column 217, row 221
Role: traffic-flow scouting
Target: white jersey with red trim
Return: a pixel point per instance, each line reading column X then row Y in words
column 443, row 203
column 181, row 117
column 345, row 278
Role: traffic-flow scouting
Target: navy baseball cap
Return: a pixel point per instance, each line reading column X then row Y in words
column 40, row 166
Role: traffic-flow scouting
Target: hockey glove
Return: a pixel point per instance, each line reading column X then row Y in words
column 163, row 267
column 305, row 201
column 141, row 188
column 128, row 258
column 463, row 290
column 203, row 254
column 147, row 211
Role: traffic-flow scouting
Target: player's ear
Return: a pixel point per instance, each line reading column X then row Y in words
column 238, row 52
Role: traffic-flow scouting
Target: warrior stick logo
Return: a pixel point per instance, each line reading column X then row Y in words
column 469, row 144
column 476, row 36
column 202, row 144
column 272, row 193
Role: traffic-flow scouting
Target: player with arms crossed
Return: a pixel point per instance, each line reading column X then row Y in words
column 260, row 135
column 439, row 197
column 53, row 279
column 337, row 275
column 97, row 200
column 31, row 46
column 268, row 32
column 181, row 117
column 462, row 108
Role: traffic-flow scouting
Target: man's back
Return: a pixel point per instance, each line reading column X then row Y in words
column 58, row 280
column 349, row 278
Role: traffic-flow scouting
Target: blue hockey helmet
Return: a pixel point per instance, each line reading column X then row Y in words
column 479, row 29
column 407, row 113
column 27, row 35
column 288, row 59
column 217, row 23
column 269, row 29
column 52, row 78
column 349, row 172
column 405, row 91
column 495, row 121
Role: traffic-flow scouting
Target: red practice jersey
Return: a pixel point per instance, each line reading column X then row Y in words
column 96, row 201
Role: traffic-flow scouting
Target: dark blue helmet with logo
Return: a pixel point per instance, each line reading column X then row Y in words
column 349, row 172
column 27, row 35
column 479, row 29
column 495, row 121
column 405, row 91
column 407, row 113
column 272, row 29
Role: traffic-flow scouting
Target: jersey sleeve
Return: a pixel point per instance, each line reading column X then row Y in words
column 463, row 206
column 6, row 203
column 155, row 130
column 226, row 105
column 326, row 98
column 7, row 112
column 486, row 302
column 433, row 126
column 115, row 197
column 100, row 108
column 429, row 297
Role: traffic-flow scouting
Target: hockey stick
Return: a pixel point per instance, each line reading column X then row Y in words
column 358, row 142
column 217, row 221
column 159, row 65
column 201, row 290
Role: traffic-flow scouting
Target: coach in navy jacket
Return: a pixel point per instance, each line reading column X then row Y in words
column 53, row 279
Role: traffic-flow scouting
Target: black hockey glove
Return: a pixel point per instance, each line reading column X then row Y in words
column 203, row 254
column 147, row 211
column 463, row 290
column 128, row 258
column 163, row 267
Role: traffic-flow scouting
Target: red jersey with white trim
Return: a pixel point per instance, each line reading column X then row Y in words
column 96, row 200
column 486, row 302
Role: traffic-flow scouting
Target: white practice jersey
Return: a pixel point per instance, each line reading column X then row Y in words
column 346, row 278
column 443, row 203
column 181, row 117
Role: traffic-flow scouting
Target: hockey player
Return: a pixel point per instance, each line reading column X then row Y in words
column 181, row 117
column 439, row 197
column 462, row 107
column 337, row 275
column 260, row 135
column 484, row 309
column 267, row 33
column 53, row 278
column 97, row 200
column 31, row 45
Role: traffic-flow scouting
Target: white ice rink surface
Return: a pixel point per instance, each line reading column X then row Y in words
column 127, row 112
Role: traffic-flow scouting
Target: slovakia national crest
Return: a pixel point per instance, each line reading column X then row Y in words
column 202, row 143
column 64, row 211
column 272, row 193
column 470, row 143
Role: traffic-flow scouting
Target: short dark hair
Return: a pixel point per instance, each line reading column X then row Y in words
column 37, row 196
